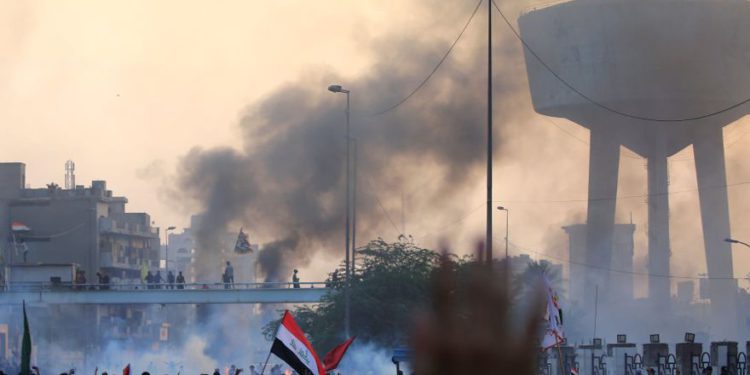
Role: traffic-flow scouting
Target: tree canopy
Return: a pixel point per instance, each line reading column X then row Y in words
column 392, row 282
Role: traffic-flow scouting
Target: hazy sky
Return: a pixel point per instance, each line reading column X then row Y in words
column 126, row 88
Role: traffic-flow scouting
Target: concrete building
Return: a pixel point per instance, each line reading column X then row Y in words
column 655, row 77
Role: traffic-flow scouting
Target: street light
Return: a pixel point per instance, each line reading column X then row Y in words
column 166, row 248
column 507, row 213
column 730, row 240
column 340, row 90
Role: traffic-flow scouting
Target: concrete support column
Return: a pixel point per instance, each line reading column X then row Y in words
column 714, row 204
column 658, row 219
column 604, row 163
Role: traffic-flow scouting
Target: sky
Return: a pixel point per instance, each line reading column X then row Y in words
column 126, row 89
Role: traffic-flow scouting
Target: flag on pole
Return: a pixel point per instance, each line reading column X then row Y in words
column 18, row 226
column 126, row 370
column 332, row 359
column 292, row 347
column 242, row 245
column 553, row 335
column 25, row 345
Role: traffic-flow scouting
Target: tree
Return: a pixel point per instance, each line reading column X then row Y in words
column 391, row 283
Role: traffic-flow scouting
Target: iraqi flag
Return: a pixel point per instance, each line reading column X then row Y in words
column 291, row 346
column 332, row 359
column 242, row 245
column 18, row 226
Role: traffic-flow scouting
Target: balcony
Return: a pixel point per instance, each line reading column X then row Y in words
column 108, row 225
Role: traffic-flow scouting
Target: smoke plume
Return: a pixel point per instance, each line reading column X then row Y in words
column 286, row 185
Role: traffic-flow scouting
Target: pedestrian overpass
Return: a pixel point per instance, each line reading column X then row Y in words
column 199, row 293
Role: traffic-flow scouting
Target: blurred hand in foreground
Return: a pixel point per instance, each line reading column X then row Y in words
column 469, row 329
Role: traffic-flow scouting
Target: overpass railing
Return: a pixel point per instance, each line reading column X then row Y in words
column 145, row 287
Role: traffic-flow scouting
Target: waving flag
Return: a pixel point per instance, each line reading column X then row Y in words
column 25, row 345
column 18, row 226
column 554, row 334
column 242, row 245
column 332, row 359
column 291, row 346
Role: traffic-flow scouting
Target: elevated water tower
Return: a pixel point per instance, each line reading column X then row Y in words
column 654, row 76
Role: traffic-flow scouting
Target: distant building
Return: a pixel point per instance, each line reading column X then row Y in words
column 87, row 226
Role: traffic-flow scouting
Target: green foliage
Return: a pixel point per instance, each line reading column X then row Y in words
column 392, row 283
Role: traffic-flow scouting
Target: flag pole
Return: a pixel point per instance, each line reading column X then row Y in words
column 281, row 321
column 559, row 358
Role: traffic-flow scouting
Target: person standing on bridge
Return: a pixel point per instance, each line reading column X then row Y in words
column 158, row 280
column 149, row 280
column 180, row 281
column 229, row 275
column 295, row 280
column 170, row 280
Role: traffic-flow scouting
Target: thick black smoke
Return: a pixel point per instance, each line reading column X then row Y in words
column 286, row 186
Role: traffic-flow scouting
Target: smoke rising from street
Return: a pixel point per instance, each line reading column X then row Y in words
column 286, row 186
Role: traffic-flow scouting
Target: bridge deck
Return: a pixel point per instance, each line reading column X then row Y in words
column 39, row 293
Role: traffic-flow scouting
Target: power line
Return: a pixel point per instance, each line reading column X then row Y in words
column 377, row 199
column 435, row 69
column 600, row 105
column 608, row 269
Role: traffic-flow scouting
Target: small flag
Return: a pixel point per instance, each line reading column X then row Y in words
column 292, row 347
column 332, row 359
column 18, row 226
column 242, row 245
column 126, row 370
column 25, row 345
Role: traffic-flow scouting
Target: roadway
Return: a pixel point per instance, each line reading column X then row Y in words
column 249, row 293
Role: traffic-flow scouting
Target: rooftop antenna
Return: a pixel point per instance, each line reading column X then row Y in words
column 70, row 175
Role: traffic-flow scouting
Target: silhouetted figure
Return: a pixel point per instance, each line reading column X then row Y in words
column 170, row 280
column 295, row 280
column 158, row 280
column 229, row 273
column 150, row 280
column 180, row 281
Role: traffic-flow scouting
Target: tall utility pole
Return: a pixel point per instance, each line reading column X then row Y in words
column 354, row 208
column 347, row 273
column 488, row 240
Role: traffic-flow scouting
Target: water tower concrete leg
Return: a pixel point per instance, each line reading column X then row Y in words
column 658, row 220
column 604, row 163
column 714, row 204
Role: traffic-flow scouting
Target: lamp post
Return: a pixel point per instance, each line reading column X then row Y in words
column 340, row 90
column 730, row 240
column 166, row 247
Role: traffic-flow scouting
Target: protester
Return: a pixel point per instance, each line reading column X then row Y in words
column 105, row 280
column 180, row 281
column 295, row 280
column 229, row 274
column 150, row 280
column 170, row 280
column 158, row 279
